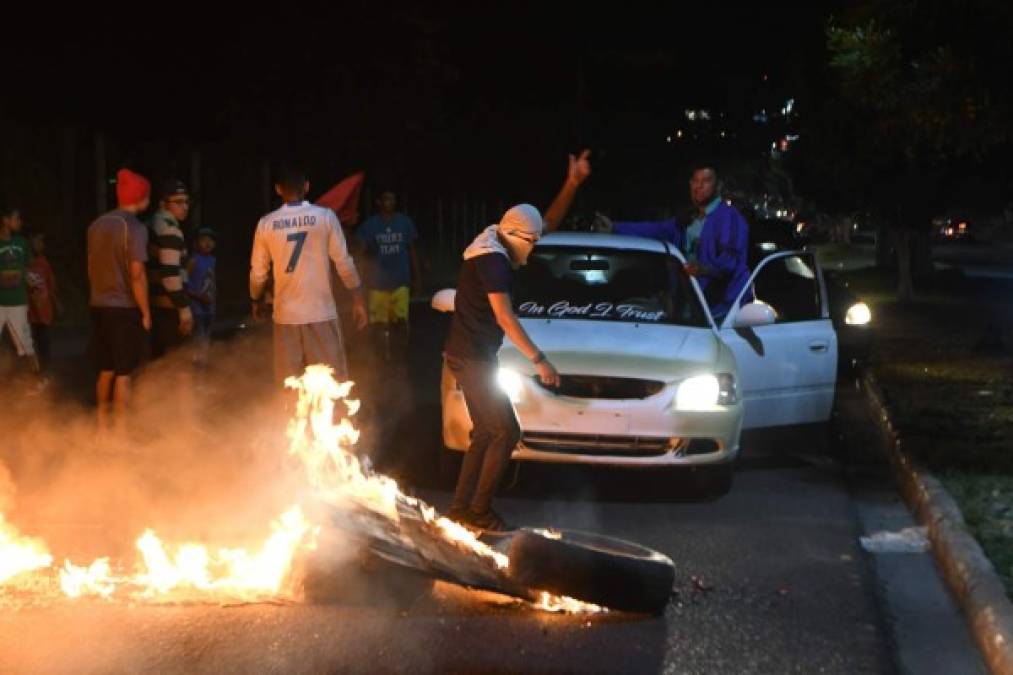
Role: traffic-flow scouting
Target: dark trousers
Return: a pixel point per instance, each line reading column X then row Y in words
column 164, row 331
column 40, row 338
column 495, row 435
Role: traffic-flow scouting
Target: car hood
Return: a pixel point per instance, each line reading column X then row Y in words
column 613, row 349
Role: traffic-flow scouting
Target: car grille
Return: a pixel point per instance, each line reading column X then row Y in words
column 592, row 386
column 597, row 444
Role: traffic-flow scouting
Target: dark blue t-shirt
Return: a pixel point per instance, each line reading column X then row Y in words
column 474, row 334
column 387, row 243
column 202, row 280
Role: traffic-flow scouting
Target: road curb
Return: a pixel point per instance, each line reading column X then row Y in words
column 966, row 570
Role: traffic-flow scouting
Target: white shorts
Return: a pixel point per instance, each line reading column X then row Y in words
column 15, row 319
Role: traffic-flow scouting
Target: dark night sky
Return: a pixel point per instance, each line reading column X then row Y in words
column 263, row 64
column 436, row 86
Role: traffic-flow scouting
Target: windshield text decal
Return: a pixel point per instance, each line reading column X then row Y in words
column 601, row 310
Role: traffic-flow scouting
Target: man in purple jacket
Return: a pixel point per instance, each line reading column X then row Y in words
column 715, row 242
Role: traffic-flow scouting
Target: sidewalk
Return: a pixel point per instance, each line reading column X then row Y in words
column 945, row 365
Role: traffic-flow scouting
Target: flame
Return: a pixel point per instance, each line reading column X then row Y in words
column 19, row 554
column 338, row 474
column 325, row 449
column 231, row 572
column 458, row 533
column 236, row 572
column 166, row 572
column 562, row 603
column 96, row 579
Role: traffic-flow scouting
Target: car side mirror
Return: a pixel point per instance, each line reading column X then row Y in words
column 443, row 301
column 754, row 314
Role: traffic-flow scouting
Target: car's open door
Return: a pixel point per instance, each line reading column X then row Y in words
column 787, row 368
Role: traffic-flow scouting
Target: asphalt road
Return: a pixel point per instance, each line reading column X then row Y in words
column 769, row 578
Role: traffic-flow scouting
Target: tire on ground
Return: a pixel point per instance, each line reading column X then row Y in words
column 602, row 570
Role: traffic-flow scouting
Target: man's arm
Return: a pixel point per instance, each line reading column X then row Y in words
column 579, row 170
column 260, row 269
column 139, row 286
column 337, row 250
column 503, row 310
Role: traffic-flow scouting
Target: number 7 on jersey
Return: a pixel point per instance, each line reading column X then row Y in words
column 299, row 238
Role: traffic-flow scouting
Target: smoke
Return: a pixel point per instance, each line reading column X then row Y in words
column 6, row 489
column 205, row 459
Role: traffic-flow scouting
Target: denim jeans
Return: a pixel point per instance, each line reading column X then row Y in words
column 495, row 435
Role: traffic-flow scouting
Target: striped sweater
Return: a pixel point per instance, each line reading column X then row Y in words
column 165, row 263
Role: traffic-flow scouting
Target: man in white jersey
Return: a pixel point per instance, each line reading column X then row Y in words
column 299, row 241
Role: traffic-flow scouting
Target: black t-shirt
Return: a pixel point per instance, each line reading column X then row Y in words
column 474, row 334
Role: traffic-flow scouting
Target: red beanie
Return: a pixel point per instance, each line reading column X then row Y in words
column 131, row 188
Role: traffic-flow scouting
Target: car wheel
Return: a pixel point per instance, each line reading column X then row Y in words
column 603, row 570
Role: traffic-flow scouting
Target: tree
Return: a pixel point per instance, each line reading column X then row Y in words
column 920, row 92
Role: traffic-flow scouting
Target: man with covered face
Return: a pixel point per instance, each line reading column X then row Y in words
column 483, row 314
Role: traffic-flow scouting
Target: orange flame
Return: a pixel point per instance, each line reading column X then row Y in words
column 19, row 554
column 232, row 572
column 338, row 474
column 96, row 579
column 325, row 449
column 562, row 603
column 192, row 571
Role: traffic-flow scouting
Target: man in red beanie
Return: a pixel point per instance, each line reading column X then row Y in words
column 117, row 251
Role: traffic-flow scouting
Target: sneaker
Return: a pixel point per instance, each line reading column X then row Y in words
column 489, row 522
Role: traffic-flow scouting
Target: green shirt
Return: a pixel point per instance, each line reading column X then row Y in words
column 14, row 258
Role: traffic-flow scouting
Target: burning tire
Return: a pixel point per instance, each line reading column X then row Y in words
column 605, row 571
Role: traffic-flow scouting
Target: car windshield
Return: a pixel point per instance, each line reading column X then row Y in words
column 603, row 284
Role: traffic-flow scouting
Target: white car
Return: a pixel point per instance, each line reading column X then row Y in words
column 648, row 378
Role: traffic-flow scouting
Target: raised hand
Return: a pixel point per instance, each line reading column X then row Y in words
column 580, row 167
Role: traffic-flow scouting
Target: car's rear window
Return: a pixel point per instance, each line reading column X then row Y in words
column 602, row 284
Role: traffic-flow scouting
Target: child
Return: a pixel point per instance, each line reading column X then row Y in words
column 42, row 298
column 201, row 287
column 15, row 256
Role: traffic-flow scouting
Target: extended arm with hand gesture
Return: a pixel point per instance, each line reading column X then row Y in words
column 580, row 168
column 577, row 172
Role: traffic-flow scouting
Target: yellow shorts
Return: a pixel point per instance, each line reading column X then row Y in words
column 388, row 306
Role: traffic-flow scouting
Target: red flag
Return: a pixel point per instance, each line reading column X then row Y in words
column 343, row 198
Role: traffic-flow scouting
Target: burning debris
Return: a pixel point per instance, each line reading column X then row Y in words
column 369, row 506
column 397, row 527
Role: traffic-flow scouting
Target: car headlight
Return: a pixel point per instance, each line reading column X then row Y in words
column 706, row 392
column 510, row 382
column 858, row 314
